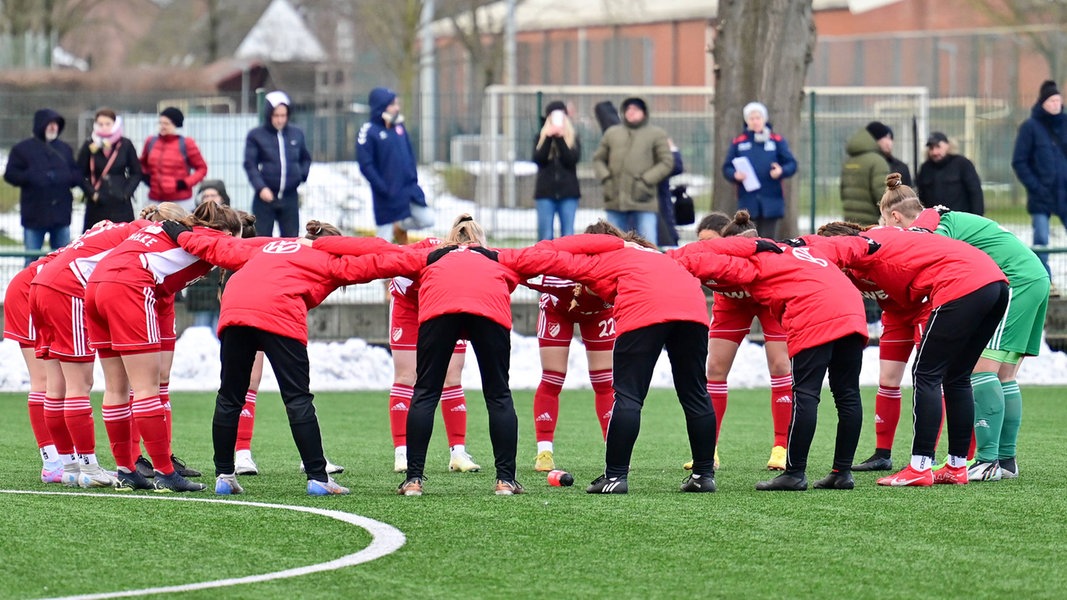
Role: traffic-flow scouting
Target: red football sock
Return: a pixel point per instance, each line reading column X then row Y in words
column 970, row 450
column 117, row 421
column 135, row 434
column 35, row 406
column 718, row 392
column 247, row 422
column 546, row 405
column 941, row 426
column 57, row 426
column 454, row 413
column 78, row 414
column 886, row 416
column 781, row 408
column 399, row 403
column 148, row 412
column 164, row 400
column 603, row 397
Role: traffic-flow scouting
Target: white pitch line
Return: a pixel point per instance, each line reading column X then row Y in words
column 385, row 539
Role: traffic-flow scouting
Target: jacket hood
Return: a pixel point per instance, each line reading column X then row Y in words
column 274, row 100
column 42, row 118
column 379, row 100
column 861, row 142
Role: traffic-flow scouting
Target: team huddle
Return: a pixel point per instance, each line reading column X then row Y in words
column 965, row 294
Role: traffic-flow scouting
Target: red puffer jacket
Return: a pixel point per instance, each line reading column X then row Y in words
column 165, row 166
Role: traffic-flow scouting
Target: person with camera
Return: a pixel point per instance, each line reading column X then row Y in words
column 556, row 192
column 110, row 169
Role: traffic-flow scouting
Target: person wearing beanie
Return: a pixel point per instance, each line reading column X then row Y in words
column 110, row 171
column 948, row 179
column 883, row 135
column 632, row 159
column 277, row 162
column 862, row 178
column 43, row 168
column 556, row 153
column 171, row 163
column 771, row 161
column 387, row 162
column 1040, row 162
column 213, row 190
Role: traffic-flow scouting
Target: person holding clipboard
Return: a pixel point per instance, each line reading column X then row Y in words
column 757, row 162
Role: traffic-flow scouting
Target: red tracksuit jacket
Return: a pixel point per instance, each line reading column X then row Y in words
column 70, row 270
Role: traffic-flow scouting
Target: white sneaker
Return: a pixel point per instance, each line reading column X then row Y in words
column 462, row 462
column 70, row 476
column 331, row 469
column 400, row 460
column 985, row 471
column 244, row 465
column 92, row 476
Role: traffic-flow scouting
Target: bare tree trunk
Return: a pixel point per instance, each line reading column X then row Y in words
column 762, row 52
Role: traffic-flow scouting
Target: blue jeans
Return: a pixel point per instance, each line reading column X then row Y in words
column 284, row 209
column 643, row 222
column 547, row 209
column 1040, row 222
column 33, row 239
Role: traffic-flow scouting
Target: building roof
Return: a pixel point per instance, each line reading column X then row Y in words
column 281, row 35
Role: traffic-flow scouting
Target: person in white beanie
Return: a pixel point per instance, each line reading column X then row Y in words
column 277, row 161
column 771, row 162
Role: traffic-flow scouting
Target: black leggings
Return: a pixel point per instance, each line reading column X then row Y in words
column 491, row 342
column 952, row 342
column 843, row 358
column 635, row 356
column 289, row 359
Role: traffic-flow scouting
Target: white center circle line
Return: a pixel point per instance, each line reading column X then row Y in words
column 385, row 539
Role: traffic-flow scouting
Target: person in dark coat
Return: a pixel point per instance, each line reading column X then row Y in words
column 883, row 135
column 556, row 192
column 111, row 171
column 273, row 174
column 948, row 179
column 43, row 169
column 667, row 226
column 387, row 161
column 1040, row 163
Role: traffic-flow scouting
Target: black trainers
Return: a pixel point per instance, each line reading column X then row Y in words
column 608, row 485
column 132, row 481
column 699, row 483
column 876, row 462
column 836, row 480
column 144, row 467
column 175, row 483
column 182, row 469
column 785, row 482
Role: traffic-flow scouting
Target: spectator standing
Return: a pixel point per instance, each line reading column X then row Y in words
column 110, row 171
column 277, row 161
column 667, row 222
column 556, row 191
column 1040, row 163
column 948, row 179
column 43, row 168
column 863, row 178
column 771, row 161
column 387, row 161
column 883, row 135
column 172, row 163
column 633, row 157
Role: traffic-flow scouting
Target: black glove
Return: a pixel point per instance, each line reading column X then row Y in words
column 768, row 246
column 942, row 209
column 872, row 246
column 173, row 229
column 793, row 242
column 182, row 185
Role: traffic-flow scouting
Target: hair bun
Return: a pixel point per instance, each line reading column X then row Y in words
column 313, row 227
column 742, row 217
column 892, row 181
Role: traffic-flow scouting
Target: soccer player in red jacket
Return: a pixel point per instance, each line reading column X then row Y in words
column 124, row 328
column 18, row 327
column 657, row 305
column 403, row 341
column 265, row 306
column 57, row 299
column 823, row 316
column 565, row 304
column 466, row 292
column 968, row 295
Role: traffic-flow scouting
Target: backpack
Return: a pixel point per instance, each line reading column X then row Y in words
column 684, row 211
column 181, row 148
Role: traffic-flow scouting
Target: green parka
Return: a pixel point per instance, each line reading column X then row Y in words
column 630, row 162
column 863, row 179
